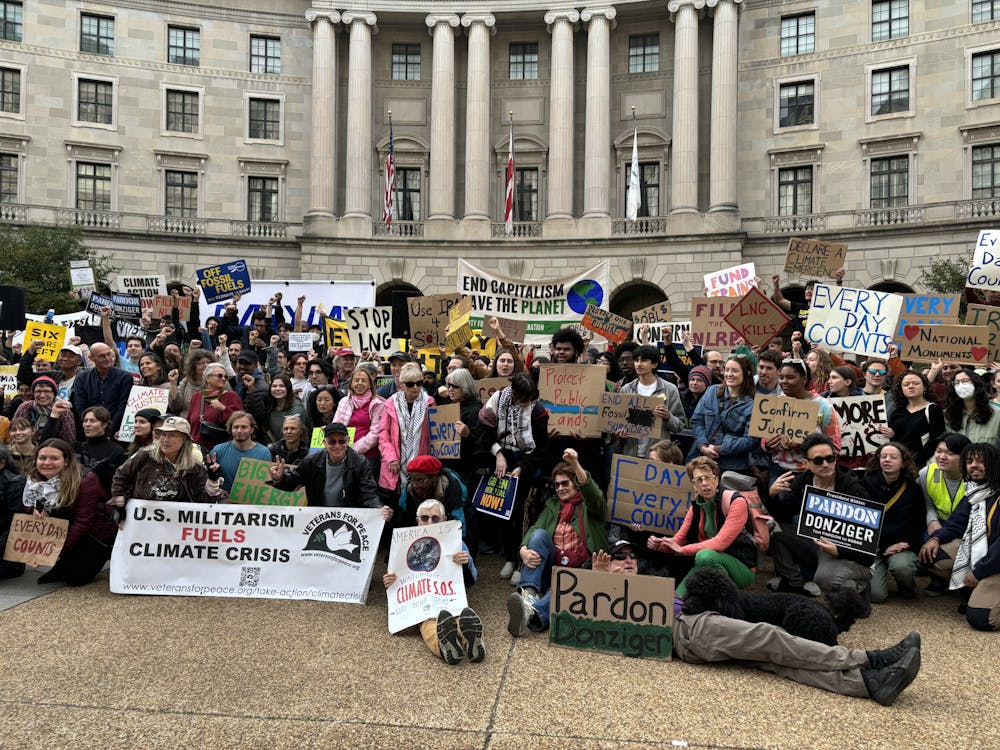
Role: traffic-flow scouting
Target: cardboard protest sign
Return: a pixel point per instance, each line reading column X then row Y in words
column 795, row 418
column 515, row 330
column 459, row 331
column 572, row 395
column 631, row 413
column 485, row 346
column 495, row 495
column 850, row 522
column 35, row 541
column 427, row 577
column 757, row 318
column 445, row 440
column 262, row 552
column 652, row 494
column 429, row 318
column 335, row 333
column 986, row 315
column 224, row 281
column 927, row 310
column 860, row 418
column 146, row 287
column 956, row 343
column 429, row 358
column 631, row 615
column 250, row 486
column 731, row 282
column 163, row 305
column 708, row 322
column 141, row 397
column 370, row 329
column 613, row 327
column 300, row 342
column 50, row 337
column 488, row 386
column 8, row 381
column 861, row 321
column 815, row 257
column 658, row 312
column 984, row 271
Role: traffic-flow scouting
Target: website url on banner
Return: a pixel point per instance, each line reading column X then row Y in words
column 255, row 592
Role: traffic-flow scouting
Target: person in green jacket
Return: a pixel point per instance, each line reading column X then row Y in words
column 571, row 528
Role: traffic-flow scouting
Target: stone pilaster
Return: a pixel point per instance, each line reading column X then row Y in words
column 322, row 170
column 725, row 51
column 442, row 161
column 597, row 139
column 684, row 164
column 477, row 118
column 561, row 154
column 358, row 196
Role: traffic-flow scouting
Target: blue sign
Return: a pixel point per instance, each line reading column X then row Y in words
column 224, row 281
column 495, row 496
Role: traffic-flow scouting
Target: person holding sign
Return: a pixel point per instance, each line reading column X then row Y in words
column 967, row 409
column 915, row 422
column 721, row 420
column 462, row 390
column 49, row 416
column 648, row 383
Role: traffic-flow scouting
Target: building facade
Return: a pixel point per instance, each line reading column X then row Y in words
column 182, row 134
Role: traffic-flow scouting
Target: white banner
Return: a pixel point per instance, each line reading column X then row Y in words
column 427, row 578
column 370, row 329
column 251, row 551
column 141, row 397
column 546, row 304
column 861, row 321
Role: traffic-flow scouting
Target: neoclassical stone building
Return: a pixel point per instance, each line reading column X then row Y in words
column 181, row 133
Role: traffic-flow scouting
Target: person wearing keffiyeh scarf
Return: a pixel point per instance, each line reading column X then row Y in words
column 404, row 433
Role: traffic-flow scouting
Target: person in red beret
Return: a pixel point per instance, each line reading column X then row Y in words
column 430, row 480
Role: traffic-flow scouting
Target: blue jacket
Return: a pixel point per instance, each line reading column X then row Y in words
column 724, row 425
column 111, row 393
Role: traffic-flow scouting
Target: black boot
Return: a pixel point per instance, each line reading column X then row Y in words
column 882, row 658
column 885, row 685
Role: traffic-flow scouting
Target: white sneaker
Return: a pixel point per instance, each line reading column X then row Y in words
column 515, row 578
column 507, row 570
column 812, row 589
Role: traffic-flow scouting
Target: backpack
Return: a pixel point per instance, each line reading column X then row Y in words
column 758, row 522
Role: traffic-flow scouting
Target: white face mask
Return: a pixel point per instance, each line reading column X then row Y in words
column 964, row 390
column 315, row 336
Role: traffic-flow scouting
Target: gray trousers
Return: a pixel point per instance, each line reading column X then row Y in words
column 710, row 637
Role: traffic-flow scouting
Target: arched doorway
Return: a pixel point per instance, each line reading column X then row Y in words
column 894, row 287
column 383, row 295
column 633, row 296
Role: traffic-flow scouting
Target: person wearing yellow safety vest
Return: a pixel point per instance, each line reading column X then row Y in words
column 943, row 488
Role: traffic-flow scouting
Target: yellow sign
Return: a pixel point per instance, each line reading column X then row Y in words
column 336, row 333
column 51, row 338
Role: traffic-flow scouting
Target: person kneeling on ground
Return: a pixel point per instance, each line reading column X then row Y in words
column 448, row 636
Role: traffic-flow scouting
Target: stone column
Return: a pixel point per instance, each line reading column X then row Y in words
column 477, row 117
column 442, row 177
column 684, row 164
column 358, row 167
column 560, row 187
column 324, row 103
column 725, row 47
column 597, row 139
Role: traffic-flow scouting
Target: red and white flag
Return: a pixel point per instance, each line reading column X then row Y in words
column 508, row 211
column 390, row 182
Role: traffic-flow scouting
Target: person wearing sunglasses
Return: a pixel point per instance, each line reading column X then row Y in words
column 405, row 430
column 836, row 567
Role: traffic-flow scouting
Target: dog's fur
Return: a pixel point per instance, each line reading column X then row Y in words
column 711, row 590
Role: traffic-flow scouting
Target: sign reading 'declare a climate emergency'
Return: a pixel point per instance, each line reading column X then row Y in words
column 259, row 552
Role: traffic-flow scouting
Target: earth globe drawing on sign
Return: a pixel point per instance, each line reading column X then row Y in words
column 582, row 293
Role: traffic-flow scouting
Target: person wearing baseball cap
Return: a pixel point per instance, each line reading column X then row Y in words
column 49, row 415
column 396, row 361
column 69, row 361
column 344, row 362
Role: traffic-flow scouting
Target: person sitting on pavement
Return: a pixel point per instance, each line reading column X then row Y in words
column 943, row 488
column 430, row 480
column 447, row 636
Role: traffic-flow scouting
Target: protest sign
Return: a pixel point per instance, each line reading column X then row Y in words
column 731, row 282
column 146, row 287
column 445, row 440
column 458, row 331
column 652, row 494
column 262, row 552
column 95, row 301
column 163, row 305
column 250, row 486
column 795, row 418
column 927, row 310
column 613, row 327
column 815, row 257
column 50, row 339
column 8, row 381
column 429, row 318
column 317, row 441
column 300, row 342
column 126, row 305
column 81, row 277
column 495, row 495
column 708, row 322
column 488, row 386
column 141, row 397
column 630, row 413
column 224, row 281
column 861, row 321
column 513, row 329
column 630, row 615
column 850, row 522
column 545, row 304
column 429, row 358
column 986, row 315
column 984, row 271
column 955, row 343
column 370, row 330
column 427, row 577
column 658, row 312
column 860, row 418
column 335, row 333
column 572, row 395
column 756, row 318
column 35, row 541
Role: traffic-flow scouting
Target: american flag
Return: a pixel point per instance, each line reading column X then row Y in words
column 390, row 181
column 508, row 211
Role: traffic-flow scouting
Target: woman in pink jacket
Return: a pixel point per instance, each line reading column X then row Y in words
column 362, row 410
column 405, row 432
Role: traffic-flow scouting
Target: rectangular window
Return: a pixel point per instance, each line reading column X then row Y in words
column 10, row 90
column 890, row 182
column 986, row 76
column 8, row 178
column 97, row 34
column 265, row 54
column 798, row 34
column 93, row 186
column 523, row 64
column 525, row 194
column 11, row 20
column 643, row 53
column 96, row 102
column 796, row 104
column 262, row 199
column 890, row 90
column 407, row 202
column 649, row 187
column 265, row 119
column 986, row 171
column 795, row 191
column 985, row 10
column 183, row 46
column 182, row 111
column 890, row 19
column 406, row 62
column 181, row 195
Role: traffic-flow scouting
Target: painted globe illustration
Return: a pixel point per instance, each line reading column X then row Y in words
column 582, row 293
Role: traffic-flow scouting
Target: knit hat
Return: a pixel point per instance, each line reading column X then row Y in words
column 701, row 372
column 150, row 414
column 425, row 465
column 45, row 380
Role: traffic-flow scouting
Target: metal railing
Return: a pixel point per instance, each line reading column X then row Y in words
column 398, row 229
column 519, row 230
column 644, row 225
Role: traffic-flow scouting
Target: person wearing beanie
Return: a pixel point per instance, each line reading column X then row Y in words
column 144, row 422
column 49, row 416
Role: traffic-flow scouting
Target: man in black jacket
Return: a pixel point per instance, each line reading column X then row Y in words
column 337, row 477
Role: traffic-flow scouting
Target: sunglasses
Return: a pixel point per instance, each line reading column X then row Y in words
column 820, row 460
column 430, row 519
column 336, row 441
column 450, row 385
column 562, row 483
column 872, row 371
column 625, row 556
column 413, row 384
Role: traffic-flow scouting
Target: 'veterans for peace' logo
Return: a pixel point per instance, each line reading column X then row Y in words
column 337, row 537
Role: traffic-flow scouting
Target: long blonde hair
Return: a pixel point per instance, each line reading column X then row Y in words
column 188, row 457
column 69, row 477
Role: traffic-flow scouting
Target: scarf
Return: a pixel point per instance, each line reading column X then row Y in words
column 708, row 514
column 411, row 422
column 361, row 402
column 569, row 507
column 42, row 495
column 513, row 423
column 974, row 545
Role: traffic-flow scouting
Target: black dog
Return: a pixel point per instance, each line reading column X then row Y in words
column 710, row 590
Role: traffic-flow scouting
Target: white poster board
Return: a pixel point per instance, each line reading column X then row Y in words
column 427, row 577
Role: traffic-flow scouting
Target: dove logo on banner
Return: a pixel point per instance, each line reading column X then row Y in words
column 338, row 537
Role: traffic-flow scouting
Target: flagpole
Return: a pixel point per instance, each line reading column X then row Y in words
column 388, row 197
column 508, row 218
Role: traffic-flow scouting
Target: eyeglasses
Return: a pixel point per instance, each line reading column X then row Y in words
column 217, row 375
column 430, row 519
column 450, row 385
column 873, row 371
column 792, row 361
column 820, row 460
column 413, row 384
column 336, row 441
column 562, row 483
column 625, row 556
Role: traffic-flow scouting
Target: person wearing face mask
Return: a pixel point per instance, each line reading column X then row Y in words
column 967, row 409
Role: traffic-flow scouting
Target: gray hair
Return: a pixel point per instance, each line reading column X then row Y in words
column 463, row 379
column 429, row 505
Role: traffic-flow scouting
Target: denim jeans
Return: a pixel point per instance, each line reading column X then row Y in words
column 539, row 577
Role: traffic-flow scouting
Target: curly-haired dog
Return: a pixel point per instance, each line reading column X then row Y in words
column 710, row 590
